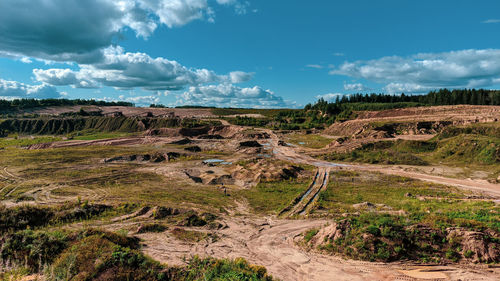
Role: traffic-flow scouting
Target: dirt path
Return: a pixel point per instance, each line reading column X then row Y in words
column 290, row 154
column 272, row 243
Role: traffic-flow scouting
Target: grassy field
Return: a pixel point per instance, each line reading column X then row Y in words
column 310, row 141
column 272, row 197
column 474, row 148
column 424, row 202
column 79, row 171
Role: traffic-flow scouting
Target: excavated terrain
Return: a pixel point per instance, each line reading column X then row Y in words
column 227, row 161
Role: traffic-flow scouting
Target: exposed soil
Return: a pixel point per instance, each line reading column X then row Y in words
column 129, row 111
column 273, row 243
column 270, row 241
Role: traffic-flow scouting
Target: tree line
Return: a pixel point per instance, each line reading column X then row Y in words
column 440, row 97
column 12, row 105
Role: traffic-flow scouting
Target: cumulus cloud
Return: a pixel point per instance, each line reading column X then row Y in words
column 457, row 69
column 14, row 89
column 356, row 87
column 231, row 96
column 78, row 31
column 240, row 76
column 64, row 77
column 124, row 70
column 330, row 96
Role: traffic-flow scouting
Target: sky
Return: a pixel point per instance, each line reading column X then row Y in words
column 243, row 53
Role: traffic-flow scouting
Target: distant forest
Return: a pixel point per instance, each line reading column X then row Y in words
column 323, row 113
column 341, row 104
column 12, row 105
column 385, row 101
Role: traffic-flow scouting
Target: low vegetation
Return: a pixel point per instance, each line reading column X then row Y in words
column 26, row 216
column 272, row 197
column 309, row 140
column 98, row 255
column 387, row 218
column 473, row 144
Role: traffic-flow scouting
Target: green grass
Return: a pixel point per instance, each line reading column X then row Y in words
column 310, row 141
column 19, row 141
column 407, row 220
column 98, row 135
column 272, row 197
column 79, row 171
column 456, row 146
column 385, row 152
column 439, row 205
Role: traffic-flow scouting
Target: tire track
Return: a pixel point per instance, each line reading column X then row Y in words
column 301, row 204
column 314, row 198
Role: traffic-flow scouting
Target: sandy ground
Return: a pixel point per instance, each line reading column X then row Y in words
column 272, row 243
column 433, row 113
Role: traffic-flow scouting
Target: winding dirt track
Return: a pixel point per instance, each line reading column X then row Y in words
column 272, row 243
column 290, row 154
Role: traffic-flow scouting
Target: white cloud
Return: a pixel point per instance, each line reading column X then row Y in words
column 78, row 31
column 330, row 96
column 398, row 88
column 491, row 21
column 240, row 7
column 26, row 60
column 317, row 66
column 240, row 76
column 64, row 77
column 125, row 70
column 14, row 89
column 356, row 87
column 457, row 69
column 228, row 95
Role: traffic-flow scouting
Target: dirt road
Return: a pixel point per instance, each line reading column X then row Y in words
column 290, row 153
column 272, row 243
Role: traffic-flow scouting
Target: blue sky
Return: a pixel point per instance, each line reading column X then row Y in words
column 263, row 53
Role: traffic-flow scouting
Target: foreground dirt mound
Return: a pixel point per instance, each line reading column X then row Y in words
column 476, row 246
column 393, row 242
column 264, row 170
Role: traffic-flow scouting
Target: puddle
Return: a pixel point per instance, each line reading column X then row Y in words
column 217, row 161
column 264, row 155
column 212, row 161
column 301, row 143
